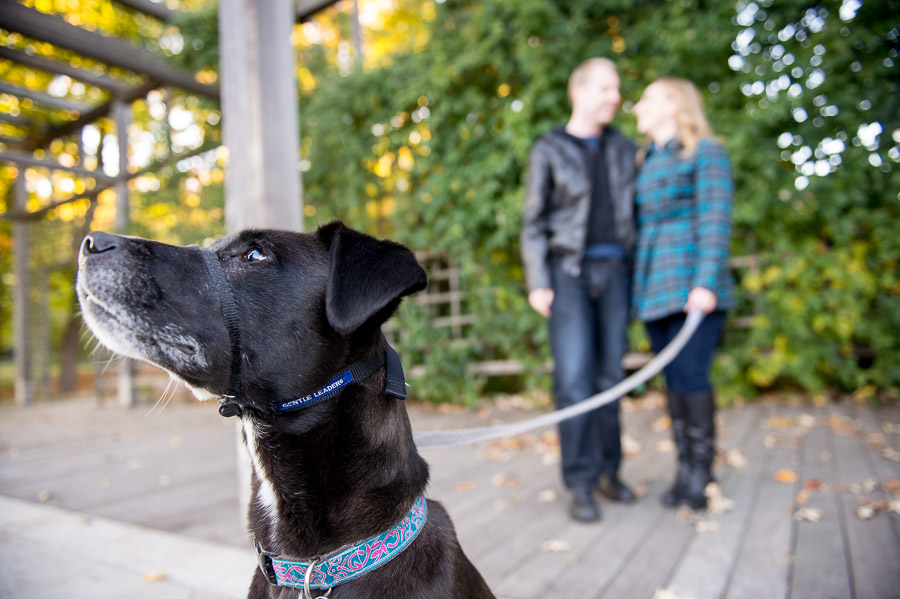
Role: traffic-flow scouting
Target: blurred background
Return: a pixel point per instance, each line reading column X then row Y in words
column 416, row 118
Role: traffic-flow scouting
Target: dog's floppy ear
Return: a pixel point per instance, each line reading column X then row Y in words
column 367, row 277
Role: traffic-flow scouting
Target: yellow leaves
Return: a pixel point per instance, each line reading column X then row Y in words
column 503, row 90
column 384, row 165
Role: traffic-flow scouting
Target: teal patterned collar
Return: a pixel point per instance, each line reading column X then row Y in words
column 345, row 564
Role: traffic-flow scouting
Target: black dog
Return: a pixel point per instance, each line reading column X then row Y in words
column 286, row 328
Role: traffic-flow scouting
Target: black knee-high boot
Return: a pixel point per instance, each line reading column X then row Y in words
column 676, row 407
column 701, row 435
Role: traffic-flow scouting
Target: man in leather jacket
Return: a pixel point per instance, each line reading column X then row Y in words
column 577, row 238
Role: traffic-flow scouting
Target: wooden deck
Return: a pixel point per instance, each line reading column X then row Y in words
column 814, row 493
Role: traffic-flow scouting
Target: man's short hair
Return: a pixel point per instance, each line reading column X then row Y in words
column 587, row 68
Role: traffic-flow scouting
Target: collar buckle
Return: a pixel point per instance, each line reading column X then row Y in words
column 265, row 564
column 228, row 407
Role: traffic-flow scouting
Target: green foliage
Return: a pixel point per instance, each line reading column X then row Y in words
column 823, row 294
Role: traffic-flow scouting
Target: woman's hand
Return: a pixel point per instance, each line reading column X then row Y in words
column 702, row 298
column 540, row 300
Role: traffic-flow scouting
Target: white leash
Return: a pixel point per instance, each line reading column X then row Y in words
column 448, row 438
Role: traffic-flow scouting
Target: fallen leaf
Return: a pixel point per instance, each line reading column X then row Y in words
column 506, row 480
column 806, row 421
column 556, row 546
column 736, row 458
column 151, row 577
column 813, row 484
column 865, row 512
column 770, row 441
column 780, row 422
column 665, row 446
column 630, row 446
column 446, row 408
column 640, row 492
column 840, row 488
column 547, row 496
column 891, row 454
column 668, row 593
column 785, row 475
column 661, row 424
column 869, row 485
column 891, row 485
column 706, row 526
column 465, row 485
column 44, row 495
column 716, row 502
column 802, row 497
column 810, row 514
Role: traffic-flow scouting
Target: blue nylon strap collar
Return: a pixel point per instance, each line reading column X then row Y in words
column 348, row 563
column 234, row 403
column 394, row 381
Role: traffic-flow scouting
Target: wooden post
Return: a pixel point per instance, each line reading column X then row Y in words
column 259, row 115
column 260, row 125
column 24, row 388
column 357, row 35
column 121, row 113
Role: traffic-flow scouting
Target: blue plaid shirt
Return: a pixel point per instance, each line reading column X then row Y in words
column 684, row 228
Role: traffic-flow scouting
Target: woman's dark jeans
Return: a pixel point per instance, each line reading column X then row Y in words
column 588, row 337
column 689, row 372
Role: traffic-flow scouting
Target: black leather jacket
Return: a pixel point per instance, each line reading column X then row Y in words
column 558, row 202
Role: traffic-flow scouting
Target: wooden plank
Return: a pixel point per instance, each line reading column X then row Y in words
column 761, row 562
column 821, row 566
column 873, row 547
column 706, row 561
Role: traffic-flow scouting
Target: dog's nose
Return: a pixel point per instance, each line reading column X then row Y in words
column 97, row 243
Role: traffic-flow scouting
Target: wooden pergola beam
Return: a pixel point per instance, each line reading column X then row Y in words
column 15, row 120
column 146, row 7
column 105, row 182
column 61, row 68
column 27, row 159
column 307, row 8
column 86, row 118
column 112, row 51
column 43, row 99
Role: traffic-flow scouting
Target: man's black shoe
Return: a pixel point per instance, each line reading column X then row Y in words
column 613, row 488
column 582, row 506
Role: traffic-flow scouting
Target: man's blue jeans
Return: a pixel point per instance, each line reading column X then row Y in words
column 588, row 337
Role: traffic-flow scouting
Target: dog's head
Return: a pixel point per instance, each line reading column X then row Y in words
column 306, row 304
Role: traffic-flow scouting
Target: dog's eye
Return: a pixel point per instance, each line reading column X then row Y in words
column 254, row 255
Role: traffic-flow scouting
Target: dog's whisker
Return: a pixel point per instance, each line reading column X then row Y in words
column 163, row 400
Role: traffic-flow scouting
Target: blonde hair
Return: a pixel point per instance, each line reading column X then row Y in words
column 689, row 115
column 583, row 72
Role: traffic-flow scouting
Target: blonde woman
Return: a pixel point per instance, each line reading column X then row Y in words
column 683, row 207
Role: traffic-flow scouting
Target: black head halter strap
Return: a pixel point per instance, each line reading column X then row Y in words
column 234, row 403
